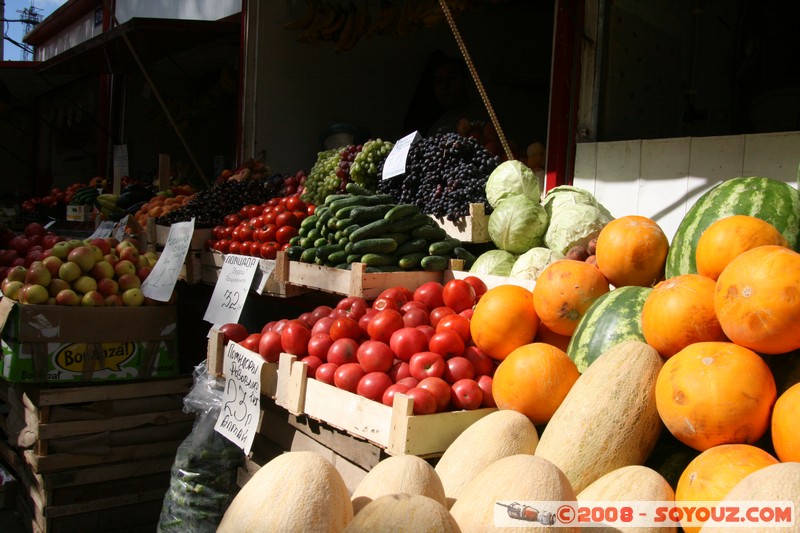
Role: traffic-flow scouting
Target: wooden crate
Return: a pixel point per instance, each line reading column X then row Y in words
column 216, row 364
column 490, row 280
column 473, row 228
column 356, row 281
column 394, row 428
column 59, row 428
column 272, row 285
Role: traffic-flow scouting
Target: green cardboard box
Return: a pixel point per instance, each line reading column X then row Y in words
column 59, row 344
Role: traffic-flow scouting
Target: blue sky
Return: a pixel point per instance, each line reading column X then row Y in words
column 15, row 29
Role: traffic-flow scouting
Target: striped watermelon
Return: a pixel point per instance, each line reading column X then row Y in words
column 614, row 317
column 774, row 201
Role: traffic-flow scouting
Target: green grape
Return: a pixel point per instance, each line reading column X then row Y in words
column 364, row 170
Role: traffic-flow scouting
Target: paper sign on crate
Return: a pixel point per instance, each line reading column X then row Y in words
column 162, row 279
column 231, row 289
column 241, row 400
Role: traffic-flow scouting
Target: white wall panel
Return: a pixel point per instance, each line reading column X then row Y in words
column 618, row 170
column 774, row 155
column 663, row 181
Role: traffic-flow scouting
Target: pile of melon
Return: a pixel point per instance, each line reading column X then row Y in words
column 667, row 372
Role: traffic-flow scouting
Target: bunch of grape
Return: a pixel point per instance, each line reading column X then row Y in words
column 322, row 179
column 346, row 158
column 444, row 174
column 366, row 165
column 209, row 206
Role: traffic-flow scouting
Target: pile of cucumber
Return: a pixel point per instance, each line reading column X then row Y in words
column 363, row 227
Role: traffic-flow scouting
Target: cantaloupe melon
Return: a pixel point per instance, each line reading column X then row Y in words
column 775, row 483
column 609, row 418
column 399, row 474
column 403, row 513
column 496, row 435
column 516, row 478
column 296, row 491
column 629, row 484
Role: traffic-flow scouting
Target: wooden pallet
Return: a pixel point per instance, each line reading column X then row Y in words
column 395, row 429
column 59, row 428
column 473, row 228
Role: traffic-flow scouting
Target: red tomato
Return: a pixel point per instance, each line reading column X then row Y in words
column 456, row 323
column 294, row 338
column 245, row 232
column 347, row 376
column 373, row 385
column 253, row 210
column 426, row 364
column 272, row 202
column 313, row 363
column 485, row 383
column 319, row 344
column 428, row 330
column 383, row 324
column 391, row 390
column 446, row 343
column 268, row 233
column 229, row 232
column 482, row 363
column 466, row 394
column 231, row 220
column 311, row 209
column 267, row 327
column 287, row 218
column 424, row 402
column 251, row 342
column 355, row 306
column 440, row 390
column 407, row 341
column 294, row 203
column 398, row 294
column 255, row 249
column 268, row 250
column 279, row 325
column 458, row 368
column 430, row 293
column 399, row 371
column 306, row 319
column 408, row 380
column 458, row 295
column 269, row 218
column 343, row 351
column 285, row 246
column 222, row 245
column 375, row 356
column 325, row 372
column 320, row 311
column 363, row 322
column 345, row 328
column 416, row 317
column 233, row 331
column 285, row 233
column 217, row 232
column 438, row 313
column 467, row 313
column 383, row 302
column 269, row 347
column 322, row 325
column 413, row 304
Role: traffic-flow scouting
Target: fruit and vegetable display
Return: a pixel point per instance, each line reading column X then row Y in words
column 44, row 268
column 690, row 382
column 361, row 227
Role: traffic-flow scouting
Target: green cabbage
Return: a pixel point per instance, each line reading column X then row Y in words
column 518, row 224
column 565, row 196
column 510, row 178
column 575, row 225
column 495, row 262
column 530, row 264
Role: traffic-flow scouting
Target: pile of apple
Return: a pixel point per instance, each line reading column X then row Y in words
column 57, row 199
column 415, row 343
column 260, row 230
column 91, row 273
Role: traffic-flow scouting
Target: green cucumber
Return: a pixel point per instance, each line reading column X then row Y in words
column 373, row 229
column 324, row 251
column 412, row 246
column 333, row 197
column 357, row 190
column 308, row 255
column 434, row 263
column 342, row 223
column 294, row 252
column 314, row 234
column 309, row 222
column 401, row 211
column 363, row 214
column 337, row 257
column 410, row 223
column 400, row 238
column 348, row 201
column 378, row 259
column 322, row 241
column 411, row 261
column 376, row 245
column 429, row 232
column 353, row 258
column 462, row 253
column 294, row 241
column 441, row 248
column 350, row 229
column 306, row 242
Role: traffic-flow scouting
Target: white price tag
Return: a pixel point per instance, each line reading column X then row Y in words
column 103, row 230
column 395, row 163
column 50, row 224
column 265, row 269
column 241, row 401
column 231, row 289
column 162, row 279
column 119, row 234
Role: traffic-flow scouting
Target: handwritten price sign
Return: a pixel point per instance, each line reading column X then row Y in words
column 241, row 401
column 162, row 279
column 230, row 291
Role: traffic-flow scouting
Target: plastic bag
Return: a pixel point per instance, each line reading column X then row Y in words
column 204, row 473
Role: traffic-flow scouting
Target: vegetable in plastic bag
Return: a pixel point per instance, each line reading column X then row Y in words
column 575, row 225
column 518, row 224
column 530, row 264
column 203, row 481
column 510, row 178
column 495, row 262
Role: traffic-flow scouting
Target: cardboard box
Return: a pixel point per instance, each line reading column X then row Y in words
column 55, row 344
column 79, row 213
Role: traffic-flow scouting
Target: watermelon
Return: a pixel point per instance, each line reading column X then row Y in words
column 774, row 201
column 614, row 317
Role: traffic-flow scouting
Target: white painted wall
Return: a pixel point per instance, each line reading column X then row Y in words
column 661, row 179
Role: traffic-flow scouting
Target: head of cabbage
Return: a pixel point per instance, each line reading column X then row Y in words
column 565, row 196
column 518, row 224
column 495, row 262
column 575, row 225
column 510, row 178
column 530, row 264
